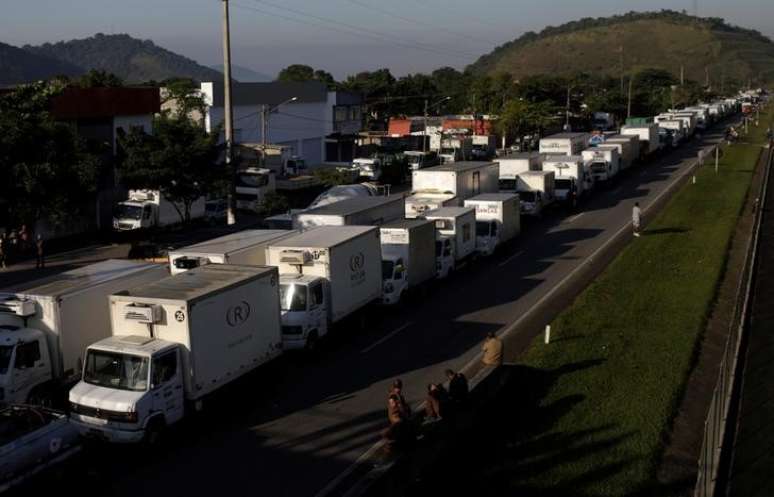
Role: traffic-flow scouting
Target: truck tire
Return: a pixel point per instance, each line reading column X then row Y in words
column 154, row 432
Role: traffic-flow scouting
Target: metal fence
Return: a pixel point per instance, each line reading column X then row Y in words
column 715, row 425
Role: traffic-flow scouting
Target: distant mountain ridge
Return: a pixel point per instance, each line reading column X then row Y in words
column 665, row 39
column 18, row 65
column 245, row 74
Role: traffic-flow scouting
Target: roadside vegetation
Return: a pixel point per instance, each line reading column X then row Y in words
column 626, row 346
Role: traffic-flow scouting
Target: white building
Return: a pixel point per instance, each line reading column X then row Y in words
column 320, row 125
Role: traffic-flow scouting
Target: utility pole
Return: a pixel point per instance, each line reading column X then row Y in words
column 706, row 77
column 567, row 110
column 682, row 75
column 229, row 125
column 426, row 135
column 629, row 107
column 622, row 69
column 264, row 131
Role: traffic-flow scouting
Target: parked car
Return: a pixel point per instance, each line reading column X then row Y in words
column 31, row 440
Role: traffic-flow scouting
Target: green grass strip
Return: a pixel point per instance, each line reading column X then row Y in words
column 626, row 346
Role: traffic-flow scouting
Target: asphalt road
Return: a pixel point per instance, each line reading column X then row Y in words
column 292, row 427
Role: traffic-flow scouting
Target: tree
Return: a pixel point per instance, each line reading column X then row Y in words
column 296, row 72
column 515, row 119
column 42, row 162
column 187, row 98
column 376, row 87
column 179, row 159
column 99, row 79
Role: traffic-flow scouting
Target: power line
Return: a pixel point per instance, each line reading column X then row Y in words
column 371, row 33
column 466, row 14
column 420, row 23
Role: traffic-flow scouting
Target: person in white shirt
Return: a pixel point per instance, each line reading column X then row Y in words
column 636, row 218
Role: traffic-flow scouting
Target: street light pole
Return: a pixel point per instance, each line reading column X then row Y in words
column 265, row 112
column 228, row 116
column 425, row 137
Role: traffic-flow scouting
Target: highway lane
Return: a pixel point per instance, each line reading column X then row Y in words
column 294, row 426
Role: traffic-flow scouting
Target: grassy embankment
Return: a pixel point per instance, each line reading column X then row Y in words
column 629, row 341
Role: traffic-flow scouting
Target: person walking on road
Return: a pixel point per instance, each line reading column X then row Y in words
column 458, row 387
column 493, row 350
column 636, row 219
column 394, row 411
column 40, row 262
column 436, row 402
column 397, row 391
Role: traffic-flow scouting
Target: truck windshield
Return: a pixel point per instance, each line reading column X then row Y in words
column 292, row 297
column 115, row 370
column 6, row 351
column 508, row 185
column 527, row 196
column 482, row 228
column 124, row 211
column 599, row 167
column 563, row 184
column 387, row 269
column 414, row 159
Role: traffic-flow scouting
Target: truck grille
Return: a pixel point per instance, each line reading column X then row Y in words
column 93, row 412
column 125, row 226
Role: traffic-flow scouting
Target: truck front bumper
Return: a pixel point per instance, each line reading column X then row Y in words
column 96, row 429
column 293, row 343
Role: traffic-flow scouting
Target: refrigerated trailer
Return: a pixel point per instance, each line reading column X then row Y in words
column 326, row 274
column 513, row 165
column 47, row 326
column 173, row 343
column 572, row 178
column 408, row 257
column 498, row 220
column 564, row 143
column 628, row 149
column 647, row 135
column 536, row 192
column 604, row 163
column 247, row 248
column 362, row 211
column 455, row 234
column 451, row 184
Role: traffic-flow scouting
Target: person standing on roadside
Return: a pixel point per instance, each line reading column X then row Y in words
column 2, row 251
column 40, row 262
column 397, row 391
column 636, row 218
column 458, row 387
column 492, row 350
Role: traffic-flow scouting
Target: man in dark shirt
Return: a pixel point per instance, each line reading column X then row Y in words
column 458, row 386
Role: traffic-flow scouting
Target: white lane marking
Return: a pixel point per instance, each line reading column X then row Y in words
column 378, row 445
column 575, row 217
column 509, row 259
column 385, row 338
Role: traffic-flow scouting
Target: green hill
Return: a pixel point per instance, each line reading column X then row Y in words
column 19, row 66
column 666, row 40
column 131, row 59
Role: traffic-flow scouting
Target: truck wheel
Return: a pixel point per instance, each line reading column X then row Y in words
column 154, row 432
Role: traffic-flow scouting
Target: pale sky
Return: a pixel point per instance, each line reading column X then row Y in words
column 340, row 36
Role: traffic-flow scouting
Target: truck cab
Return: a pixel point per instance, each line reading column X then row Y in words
column 25, row 364
column 421, row 160
column 394, row 278
column 369, row 168
column 132, row 387
column 532, row 202
column 134, row 214
column 566, row 191
column 444, row 257
column 304, row 303
column 487, row 236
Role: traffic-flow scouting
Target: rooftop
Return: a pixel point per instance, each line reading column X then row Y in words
column 325, row 236
column 564, row 136
column 447, row 212
column 491, row 197
column 235, row 241
column 404, row 223
column 198, row 282
column 353, row 205
column 271, row 93
column 458, row 166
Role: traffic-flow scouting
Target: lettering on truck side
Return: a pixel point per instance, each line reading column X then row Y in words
column 487, row 209
column 357, row 266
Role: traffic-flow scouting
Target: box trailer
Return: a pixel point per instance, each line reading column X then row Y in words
column 564, row 143
column 676, row 125
column 417, row 205
column 498, row 220
column 356, row 211
column 245, row 248
column 513, row 165
column 408, row 257
column 604, row 163
column 455, row 229
column 536, row 191
column 449, row 185
column 174, row 342
column 572, row 178
column 628, row 149
column 144, row 209
column 648, row 136
column 51, row 323
column 326, row 274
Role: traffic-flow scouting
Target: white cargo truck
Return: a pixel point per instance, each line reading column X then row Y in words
column 604, row 163
column 408, row 257
column 483, row 147
column 360, row 211
column 628, row 149
column 246, row 248
column 44, row 329
column 326, row 274
column 677, row 126
column 498, row 220
column 572, row 178
column 455, row 229
column 149, row 209
column 536, row 192
column 450, row 185
column 513, row 165
column 370, row 168
column 173, row 343
column 648, row 136
column 564, row 143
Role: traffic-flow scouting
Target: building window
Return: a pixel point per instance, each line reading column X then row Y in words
column 340, row 113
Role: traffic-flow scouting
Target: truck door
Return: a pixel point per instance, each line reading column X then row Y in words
column 318, row 309
column 29, row 370
column 167, row 386
column 146, row 217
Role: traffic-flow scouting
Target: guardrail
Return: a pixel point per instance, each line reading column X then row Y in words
column 715, row 425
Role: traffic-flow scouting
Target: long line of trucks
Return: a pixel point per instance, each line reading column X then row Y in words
column 144, row 347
